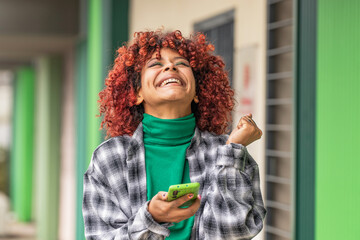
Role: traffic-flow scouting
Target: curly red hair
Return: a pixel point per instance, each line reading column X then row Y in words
column 117, row 100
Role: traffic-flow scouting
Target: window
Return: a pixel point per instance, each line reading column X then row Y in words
column 220, row 32
column 279, row 122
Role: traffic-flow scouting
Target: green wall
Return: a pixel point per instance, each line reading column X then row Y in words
column 305, row 92
column 94, row 74
column 337, row 120
column 104, row 26
column 81, row 130
column 21, row 164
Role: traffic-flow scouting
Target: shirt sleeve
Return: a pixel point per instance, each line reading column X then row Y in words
column 105, row 217
column 234, row 208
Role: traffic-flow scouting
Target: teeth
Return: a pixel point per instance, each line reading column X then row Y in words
column 170, row 80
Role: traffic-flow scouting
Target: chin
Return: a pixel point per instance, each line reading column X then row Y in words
column 176, row 99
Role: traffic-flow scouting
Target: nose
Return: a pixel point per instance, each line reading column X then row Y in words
column 170, row 67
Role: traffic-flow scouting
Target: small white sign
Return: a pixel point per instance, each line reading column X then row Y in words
column 247, row 74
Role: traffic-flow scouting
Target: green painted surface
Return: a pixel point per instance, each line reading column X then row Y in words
column 22, row 147
column 81, row 129
column 120, row 26
column 48, row 121
column 95, row 76
column 81, row 116
column 305, row 89
column 104, row 20
column 338, row 118
column 106, row 49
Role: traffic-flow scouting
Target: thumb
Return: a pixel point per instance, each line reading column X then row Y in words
column 241, row 123
column 163, row 195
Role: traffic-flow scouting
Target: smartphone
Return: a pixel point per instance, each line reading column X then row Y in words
column 176, row 191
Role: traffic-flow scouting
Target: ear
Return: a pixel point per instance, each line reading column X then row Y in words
column 139, row 99
column 196, row 99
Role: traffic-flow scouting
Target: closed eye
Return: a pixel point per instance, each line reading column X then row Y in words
column 182, row 63
column 155, row 64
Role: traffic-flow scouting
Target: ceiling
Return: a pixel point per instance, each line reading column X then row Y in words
column 29, row 29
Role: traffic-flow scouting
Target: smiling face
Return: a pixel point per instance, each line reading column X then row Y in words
column 167, row 85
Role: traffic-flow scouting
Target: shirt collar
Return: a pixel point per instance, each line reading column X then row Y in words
column 137, row 140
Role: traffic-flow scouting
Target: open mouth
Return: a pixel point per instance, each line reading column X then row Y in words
column 170, row 80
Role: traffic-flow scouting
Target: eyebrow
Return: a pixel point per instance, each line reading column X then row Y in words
column 181, row 58
column 176, row 58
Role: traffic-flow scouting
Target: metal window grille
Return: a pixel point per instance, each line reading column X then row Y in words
column 279, row 121
column 220, row 32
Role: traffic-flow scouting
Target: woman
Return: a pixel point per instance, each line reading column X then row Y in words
column 166, row 103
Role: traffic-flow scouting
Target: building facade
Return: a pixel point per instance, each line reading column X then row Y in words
column 292, row 63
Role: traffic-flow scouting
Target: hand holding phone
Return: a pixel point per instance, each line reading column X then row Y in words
column 168, row 209
column 176, row 191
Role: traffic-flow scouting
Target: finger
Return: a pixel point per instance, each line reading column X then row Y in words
column 185, row 213
column 242, row 121
column 161, row 196
column 180, row 201
column 252, row 121
column 246, row 118
column 249, row 120
column 194, row 207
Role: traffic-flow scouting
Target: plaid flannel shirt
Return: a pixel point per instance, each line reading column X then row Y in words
column 115, row 203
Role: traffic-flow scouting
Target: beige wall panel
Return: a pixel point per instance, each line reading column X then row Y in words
column 173, row 15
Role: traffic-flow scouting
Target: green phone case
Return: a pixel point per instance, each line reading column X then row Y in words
column 176, row 191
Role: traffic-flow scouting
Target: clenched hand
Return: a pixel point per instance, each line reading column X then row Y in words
column 245, row 132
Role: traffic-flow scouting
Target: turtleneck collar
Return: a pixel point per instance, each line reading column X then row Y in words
column 168, row 131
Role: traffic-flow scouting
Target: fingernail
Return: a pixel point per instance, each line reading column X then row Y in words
column 199, row 196
column 190, row 195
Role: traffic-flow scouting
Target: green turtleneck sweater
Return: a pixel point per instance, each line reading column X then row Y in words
column 166, row 141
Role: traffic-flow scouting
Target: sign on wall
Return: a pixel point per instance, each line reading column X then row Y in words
column 247, row 84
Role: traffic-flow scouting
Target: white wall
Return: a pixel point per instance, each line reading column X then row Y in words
column 6, row 102
column 249, row 31
column 67, row 218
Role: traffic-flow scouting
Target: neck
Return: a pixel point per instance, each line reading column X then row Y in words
column 168, row 112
